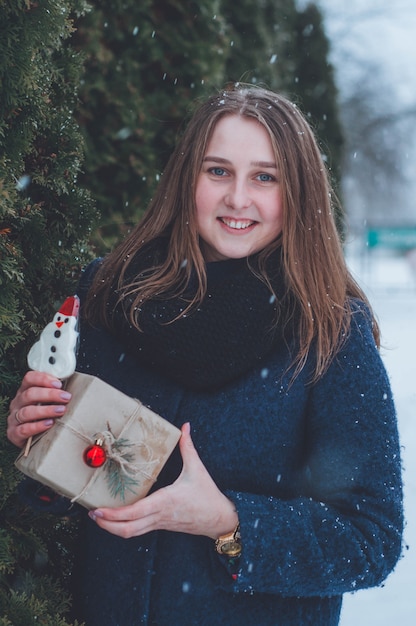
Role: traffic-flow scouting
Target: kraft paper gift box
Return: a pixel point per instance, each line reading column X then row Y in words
column 136, row 442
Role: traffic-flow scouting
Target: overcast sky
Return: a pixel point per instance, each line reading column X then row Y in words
column 377, row 31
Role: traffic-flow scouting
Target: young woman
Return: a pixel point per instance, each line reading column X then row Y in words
column 229, row 310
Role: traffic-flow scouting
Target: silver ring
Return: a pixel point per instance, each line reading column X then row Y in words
column 17, row 418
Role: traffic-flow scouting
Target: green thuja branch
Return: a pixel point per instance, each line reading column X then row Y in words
column 120, row 480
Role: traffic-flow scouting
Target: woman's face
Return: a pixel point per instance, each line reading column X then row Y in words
column 238, row 193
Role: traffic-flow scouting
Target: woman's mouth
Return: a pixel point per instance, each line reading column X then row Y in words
column 236, row 224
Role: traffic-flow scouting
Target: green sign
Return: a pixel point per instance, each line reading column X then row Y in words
column 398, row 238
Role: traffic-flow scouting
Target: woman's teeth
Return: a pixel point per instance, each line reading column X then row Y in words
column 238, row 224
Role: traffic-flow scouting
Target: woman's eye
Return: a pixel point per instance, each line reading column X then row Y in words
column 265, row 178
column 217, row 171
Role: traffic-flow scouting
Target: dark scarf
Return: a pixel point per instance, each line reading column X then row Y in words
column 230, row 332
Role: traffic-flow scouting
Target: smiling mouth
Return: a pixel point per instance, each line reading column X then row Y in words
column 237, row 224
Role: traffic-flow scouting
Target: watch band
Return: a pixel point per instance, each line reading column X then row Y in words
column 229, row 544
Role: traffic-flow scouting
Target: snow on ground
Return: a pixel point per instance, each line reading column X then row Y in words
column 389, row 281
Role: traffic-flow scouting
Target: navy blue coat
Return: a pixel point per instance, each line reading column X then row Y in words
column 314, row 472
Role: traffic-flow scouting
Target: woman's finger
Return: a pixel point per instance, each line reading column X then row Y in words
column 33, row 378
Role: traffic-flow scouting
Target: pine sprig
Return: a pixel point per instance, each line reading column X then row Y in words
column 120, row 480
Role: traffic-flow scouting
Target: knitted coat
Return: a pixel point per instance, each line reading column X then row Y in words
column 314, row 472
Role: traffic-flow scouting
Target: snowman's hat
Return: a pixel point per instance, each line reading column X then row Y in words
column 70, row 307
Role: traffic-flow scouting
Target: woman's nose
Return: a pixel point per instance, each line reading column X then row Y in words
column 238, row 196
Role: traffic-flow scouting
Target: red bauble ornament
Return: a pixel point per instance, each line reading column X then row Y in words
column 95, row 455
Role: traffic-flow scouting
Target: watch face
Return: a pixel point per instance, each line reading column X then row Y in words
column 231, row 548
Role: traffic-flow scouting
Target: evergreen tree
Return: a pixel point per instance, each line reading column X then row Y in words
column 45, row 221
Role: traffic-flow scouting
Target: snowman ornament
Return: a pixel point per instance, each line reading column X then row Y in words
column 55, row 351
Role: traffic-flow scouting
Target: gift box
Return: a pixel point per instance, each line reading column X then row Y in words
column 107, row 450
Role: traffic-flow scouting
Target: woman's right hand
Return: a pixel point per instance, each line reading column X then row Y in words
column 39, row 400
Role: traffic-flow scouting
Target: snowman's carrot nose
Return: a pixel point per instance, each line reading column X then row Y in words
column 59, row 324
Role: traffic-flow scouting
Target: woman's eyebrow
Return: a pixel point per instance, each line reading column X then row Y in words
column 267, row 164
column 216, row 159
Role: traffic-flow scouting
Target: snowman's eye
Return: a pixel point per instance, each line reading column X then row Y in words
column 66, row 320
column 59, row 318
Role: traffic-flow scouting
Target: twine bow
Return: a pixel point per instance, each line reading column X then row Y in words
column 121, row 472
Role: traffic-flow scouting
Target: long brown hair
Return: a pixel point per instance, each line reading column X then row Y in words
column 316, row 273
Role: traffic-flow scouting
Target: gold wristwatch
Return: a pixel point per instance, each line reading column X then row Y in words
column 229, row 544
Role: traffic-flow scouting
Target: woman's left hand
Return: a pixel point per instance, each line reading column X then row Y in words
column 193, row 504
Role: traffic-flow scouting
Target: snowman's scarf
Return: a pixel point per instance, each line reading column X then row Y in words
column 230, row 332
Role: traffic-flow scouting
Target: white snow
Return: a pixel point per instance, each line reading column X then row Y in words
column 390, row 283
